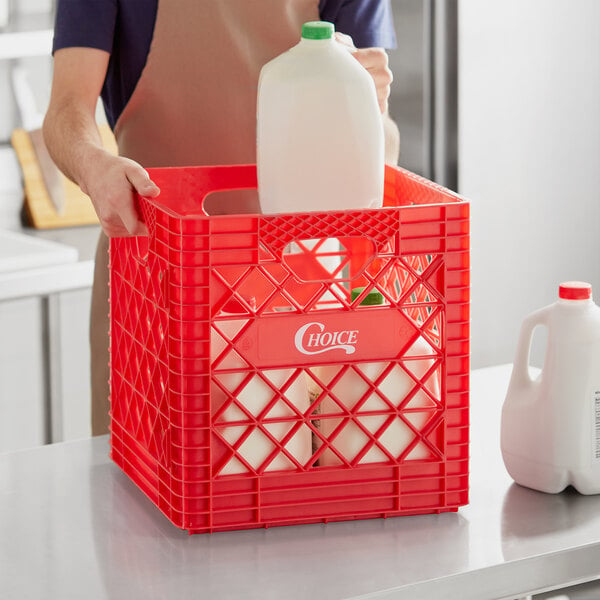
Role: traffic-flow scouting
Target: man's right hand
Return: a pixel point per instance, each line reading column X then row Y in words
column 73, row 140
column 111, row 182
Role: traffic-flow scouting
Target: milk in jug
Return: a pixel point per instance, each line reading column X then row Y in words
column 230, row 371
column 320, row 142
column 550, row 430
column 396, row 386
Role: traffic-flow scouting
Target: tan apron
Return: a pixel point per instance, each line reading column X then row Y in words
column 195, row 104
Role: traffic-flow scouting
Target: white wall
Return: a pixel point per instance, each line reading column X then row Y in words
column 36, row 71
column 529, row 158
column 32, row 6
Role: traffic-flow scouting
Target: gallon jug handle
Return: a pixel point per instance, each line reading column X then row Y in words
column 520, row 374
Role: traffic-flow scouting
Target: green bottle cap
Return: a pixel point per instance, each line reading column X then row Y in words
column 318, row 30
column 373, row 298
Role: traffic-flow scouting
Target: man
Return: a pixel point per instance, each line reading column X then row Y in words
column 178, row 79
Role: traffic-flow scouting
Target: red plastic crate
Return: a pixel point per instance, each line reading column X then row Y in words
column 235, row 345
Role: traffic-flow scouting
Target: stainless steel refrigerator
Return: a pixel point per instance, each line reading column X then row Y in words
column 424, row 93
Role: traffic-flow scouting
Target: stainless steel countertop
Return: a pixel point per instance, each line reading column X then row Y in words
column 73, row 526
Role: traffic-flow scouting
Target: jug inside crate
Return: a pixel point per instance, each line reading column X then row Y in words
column 372, row 374
column 240, row 359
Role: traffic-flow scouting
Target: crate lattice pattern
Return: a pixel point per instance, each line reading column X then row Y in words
column 220, row 439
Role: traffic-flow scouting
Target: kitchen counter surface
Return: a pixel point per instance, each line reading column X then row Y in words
column 72, row 525
column 38, row 262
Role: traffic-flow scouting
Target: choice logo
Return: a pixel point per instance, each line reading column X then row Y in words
column 312, row 338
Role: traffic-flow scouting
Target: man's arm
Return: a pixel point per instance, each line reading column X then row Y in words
column 376, row 61
column 73, row 140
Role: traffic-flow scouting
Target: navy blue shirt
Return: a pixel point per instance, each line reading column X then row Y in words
column 124, row 28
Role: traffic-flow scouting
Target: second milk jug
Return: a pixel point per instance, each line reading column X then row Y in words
column 550, row 431
column 320, row 143
column 396, row 385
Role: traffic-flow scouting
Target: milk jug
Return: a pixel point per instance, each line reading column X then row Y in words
column 397, row 384
column 320, row 143
column 550, row 430
column 230, row 377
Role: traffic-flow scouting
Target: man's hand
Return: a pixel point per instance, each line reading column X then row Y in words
column 73, row 140
column 375, row 60
column 111, row 182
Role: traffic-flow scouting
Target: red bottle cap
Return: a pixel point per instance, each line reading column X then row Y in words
column 575, row 290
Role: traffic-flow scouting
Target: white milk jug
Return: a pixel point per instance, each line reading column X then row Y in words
column 550, row 431
column 320, row 143
column 351, row 388
column 230, row 370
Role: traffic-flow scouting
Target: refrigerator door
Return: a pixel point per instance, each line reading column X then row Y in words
column 424, row 93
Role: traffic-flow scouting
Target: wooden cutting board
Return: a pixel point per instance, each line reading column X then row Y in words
column 51, row 200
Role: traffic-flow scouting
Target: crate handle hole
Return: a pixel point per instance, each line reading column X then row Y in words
column 232, row 202
column 328, row 259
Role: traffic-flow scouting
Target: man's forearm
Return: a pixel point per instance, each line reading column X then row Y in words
column 392, row 140
column 73, row 140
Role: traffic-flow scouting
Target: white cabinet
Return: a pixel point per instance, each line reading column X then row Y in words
column 71, row 372
column 26, row 31
column 44, row 369
column 23, row 410
column 45, row 292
